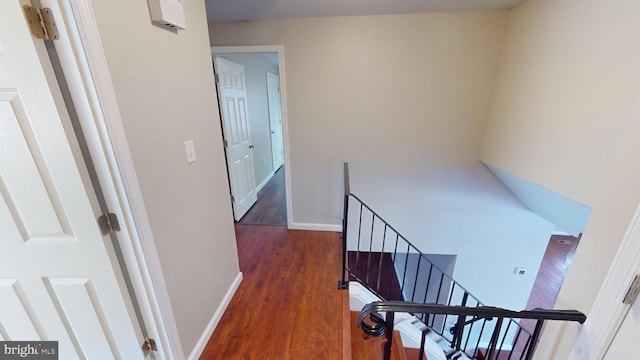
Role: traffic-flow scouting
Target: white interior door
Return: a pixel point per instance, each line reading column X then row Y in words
column 57, row 282
column 232, row 95
column 624, row 344
column 275, row 120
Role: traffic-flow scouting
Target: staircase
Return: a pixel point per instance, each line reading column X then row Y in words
column 366, row 347
column 408, row 292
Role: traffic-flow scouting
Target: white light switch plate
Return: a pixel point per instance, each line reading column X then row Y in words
column 190, row 149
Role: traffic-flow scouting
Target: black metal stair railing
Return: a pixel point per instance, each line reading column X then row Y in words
column 378, row 325
column 378, row 257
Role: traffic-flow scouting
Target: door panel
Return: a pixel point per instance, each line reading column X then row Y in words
column 235, row 125
column 275, row 120
column 56, row 278
column 624, row 344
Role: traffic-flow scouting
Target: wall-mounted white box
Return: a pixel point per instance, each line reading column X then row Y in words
column 168, row 14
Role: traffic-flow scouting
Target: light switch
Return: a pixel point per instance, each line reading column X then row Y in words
column 190, row 149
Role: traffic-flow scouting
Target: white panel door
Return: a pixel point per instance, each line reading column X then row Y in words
column 275, row 120
column 56, row 279
column 624, row 345
column 232, row 95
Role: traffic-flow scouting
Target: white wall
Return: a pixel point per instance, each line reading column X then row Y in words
column 165, row 89
column 567, row 215
column 562, row 117
column 395, row 91
column 463, row 211
column 256, row 68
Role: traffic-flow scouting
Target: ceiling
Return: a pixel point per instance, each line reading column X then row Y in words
column 230, row 10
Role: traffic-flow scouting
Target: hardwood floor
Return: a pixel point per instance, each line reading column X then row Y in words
column 288, row 305
column 555, row 264
column 271, row 207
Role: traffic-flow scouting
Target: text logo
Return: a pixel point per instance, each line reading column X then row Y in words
column 29, row 350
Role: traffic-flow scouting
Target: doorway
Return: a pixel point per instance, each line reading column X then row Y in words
column 267, row 121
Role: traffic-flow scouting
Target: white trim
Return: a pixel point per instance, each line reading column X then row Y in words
column 265, row 181
column 279, row 49
column 315, row 227
column 204, row 339
column 110, row 152
column 608, row 311
column 359, row 296
column 560, row 233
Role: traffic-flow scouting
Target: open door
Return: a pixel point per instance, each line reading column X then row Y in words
column 232, row 96
column 57, row 282
column 275, row 120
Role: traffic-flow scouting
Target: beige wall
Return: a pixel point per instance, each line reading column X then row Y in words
column 165, row 90
column 391, row 92
column 568, row 76
column 404, row 99
column 561, row 117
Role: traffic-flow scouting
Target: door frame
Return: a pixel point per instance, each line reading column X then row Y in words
column 101, row 123
column 279, row 50
column 608, row 311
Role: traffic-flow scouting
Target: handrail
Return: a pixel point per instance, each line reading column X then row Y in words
column 483, row 312
column 400, row 236
column 384, row 326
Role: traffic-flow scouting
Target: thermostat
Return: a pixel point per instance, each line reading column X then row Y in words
column 520, row 271
column 168, row 14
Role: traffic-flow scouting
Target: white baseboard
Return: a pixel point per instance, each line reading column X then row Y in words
column 200, row 345
column 315, row 227
column 265, row 181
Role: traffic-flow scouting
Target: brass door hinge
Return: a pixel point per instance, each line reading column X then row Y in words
column 632, row 293
column 108, row 223
column 41, row 22
column 148, row 346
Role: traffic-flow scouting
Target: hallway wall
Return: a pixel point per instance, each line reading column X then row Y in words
column 166, row 95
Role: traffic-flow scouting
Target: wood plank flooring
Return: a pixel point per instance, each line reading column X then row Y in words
column 271, row 207
column 555, row 264
column 288, row 305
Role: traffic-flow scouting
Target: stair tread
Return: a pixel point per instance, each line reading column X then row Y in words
column 397, row 349
column 365, row 347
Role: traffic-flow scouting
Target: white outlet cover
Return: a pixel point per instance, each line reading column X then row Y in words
column 190, row 150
